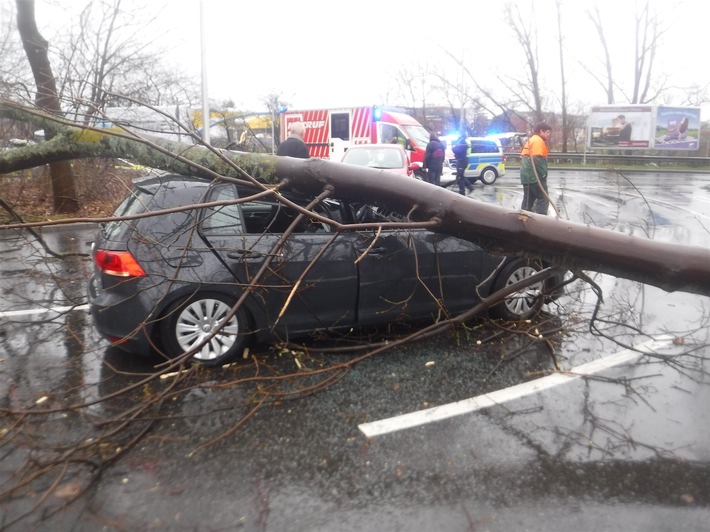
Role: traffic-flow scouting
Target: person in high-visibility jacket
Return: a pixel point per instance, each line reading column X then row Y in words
column 533, row 170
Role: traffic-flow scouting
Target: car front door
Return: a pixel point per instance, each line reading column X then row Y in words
column 415, row 274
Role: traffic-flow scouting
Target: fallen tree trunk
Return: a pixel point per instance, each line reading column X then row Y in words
column 571, row 245
column 567, row 244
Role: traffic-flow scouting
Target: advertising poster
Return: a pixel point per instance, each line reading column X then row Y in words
column 677, row 128
column 621, row 126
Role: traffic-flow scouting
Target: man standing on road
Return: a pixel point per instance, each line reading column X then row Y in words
column 434, row 159
column 460, row 150
column 294, row 146
column 533, row 170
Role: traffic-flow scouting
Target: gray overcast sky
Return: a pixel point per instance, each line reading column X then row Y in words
column 322, row 53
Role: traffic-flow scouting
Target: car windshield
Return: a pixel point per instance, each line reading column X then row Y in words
column 419, row 134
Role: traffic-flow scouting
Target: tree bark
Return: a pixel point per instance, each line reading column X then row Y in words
column 62, row 177
column 568, row 244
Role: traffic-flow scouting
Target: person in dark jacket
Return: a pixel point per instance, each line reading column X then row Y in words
column 460, row 150
column 294, row 146
column 434, row 159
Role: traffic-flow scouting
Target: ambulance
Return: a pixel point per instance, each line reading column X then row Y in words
column 329, row 132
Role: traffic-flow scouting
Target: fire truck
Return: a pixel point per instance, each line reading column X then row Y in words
column 329, row 132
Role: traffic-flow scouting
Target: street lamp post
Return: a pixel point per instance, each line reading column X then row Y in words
column 203, row 57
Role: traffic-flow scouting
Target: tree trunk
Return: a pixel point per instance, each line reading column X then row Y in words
column 62, row 177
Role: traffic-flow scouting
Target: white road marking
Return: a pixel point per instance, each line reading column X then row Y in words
column 35, row 311
column 473, row 404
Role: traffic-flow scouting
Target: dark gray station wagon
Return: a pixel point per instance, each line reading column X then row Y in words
column 168, row 282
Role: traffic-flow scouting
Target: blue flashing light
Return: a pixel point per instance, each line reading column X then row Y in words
column 377, row 113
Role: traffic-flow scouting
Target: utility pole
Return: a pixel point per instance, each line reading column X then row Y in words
column 203, row 57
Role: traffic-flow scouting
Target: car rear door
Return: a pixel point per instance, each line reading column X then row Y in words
column 311, row 278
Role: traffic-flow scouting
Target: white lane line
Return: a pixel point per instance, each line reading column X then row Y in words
column 465, row 406
column 35, row 311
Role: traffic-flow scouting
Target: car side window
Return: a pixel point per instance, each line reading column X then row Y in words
column 390, row 134
column 373, row 214
column 257, row 217
column 273, row 217
column 224, row 219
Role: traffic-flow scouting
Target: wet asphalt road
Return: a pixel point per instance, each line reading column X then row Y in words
column 623, row 447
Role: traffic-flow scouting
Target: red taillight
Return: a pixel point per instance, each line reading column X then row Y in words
column 118, row 263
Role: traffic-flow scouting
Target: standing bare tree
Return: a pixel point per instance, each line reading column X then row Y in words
column 607, row 81
column 274, row 104
column 63, row 184
column 415, row 86
column 647, row 32
column 15, row 77
column 529, row 89
column 104, row 54
column 563, row 79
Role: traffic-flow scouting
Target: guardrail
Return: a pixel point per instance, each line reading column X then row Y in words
column 611, row 160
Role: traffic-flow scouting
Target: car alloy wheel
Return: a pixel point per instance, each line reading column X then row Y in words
column 190, row 323
column 525, row 303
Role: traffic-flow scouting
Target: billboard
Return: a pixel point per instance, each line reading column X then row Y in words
column 644, row 127
column 621, row 126
column 677, row 128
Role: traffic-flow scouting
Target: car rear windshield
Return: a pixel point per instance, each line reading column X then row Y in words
column 135, row 203
column 153, row 194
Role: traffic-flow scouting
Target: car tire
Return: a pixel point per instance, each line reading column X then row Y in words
column 188, row 322
column 489, row 176
column 520, row 305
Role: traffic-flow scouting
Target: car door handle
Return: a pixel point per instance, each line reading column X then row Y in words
column 184, row 260
column 377, row 250
column 245, row 254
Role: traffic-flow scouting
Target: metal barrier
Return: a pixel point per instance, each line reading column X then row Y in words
column 612, row 160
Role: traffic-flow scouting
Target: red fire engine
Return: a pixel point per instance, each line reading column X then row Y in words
column 329, row 132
